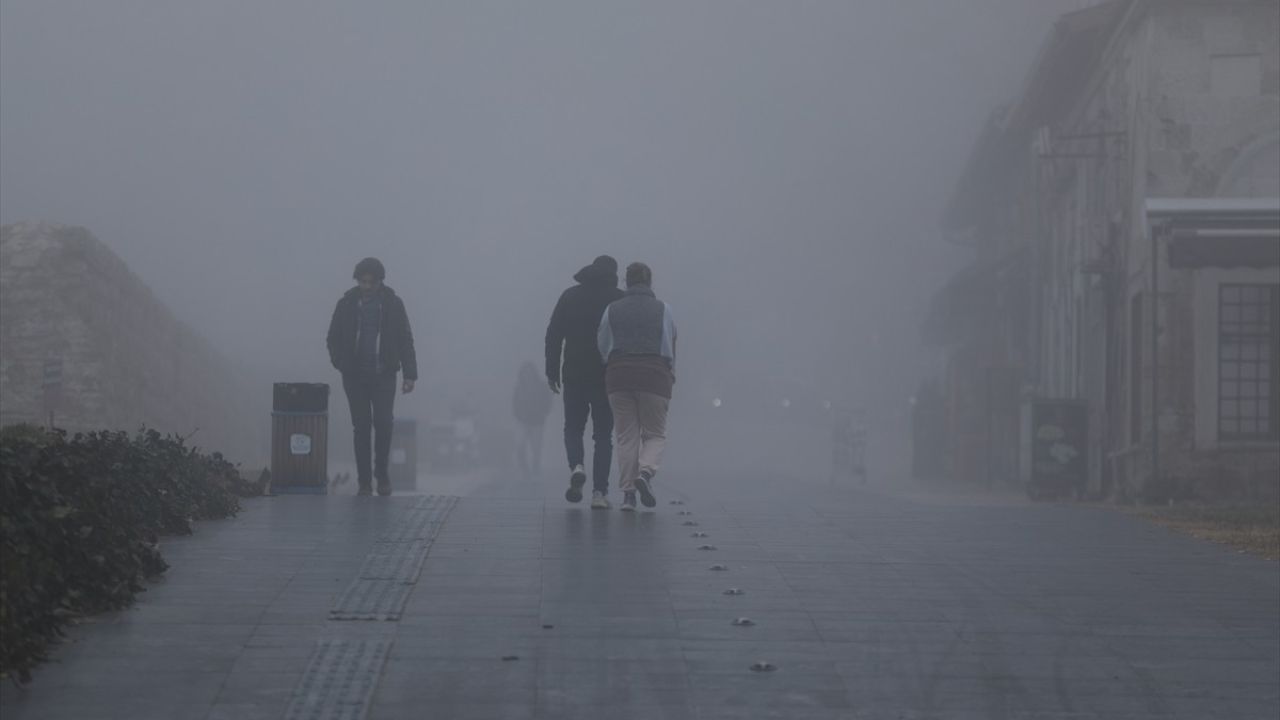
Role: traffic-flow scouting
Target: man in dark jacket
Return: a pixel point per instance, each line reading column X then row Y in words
column 369, row 342
column 573, row 327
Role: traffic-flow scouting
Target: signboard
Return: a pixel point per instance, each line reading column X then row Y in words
column 300, row 444
column 1056, row 447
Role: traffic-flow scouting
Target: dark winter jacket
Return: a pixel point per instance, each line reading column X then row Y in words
column 574, row 323
column 395, row 337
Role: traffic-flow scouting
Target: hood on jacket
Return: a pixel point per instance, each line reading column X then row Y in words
column 355, row 292
column 602, row 271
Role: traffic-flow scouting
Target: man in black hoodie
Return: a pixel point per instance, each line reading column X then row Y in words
column 369, row 342
column 573, row 327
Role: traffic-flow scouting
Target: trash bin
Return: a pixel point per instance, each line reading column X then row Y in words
column 300, row 438
column 404, row 454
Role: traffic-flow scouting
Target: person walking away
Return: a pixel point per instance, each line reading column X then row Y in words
column 532, row 404
column 573, row 327
column 637, row 336
column 370, row 341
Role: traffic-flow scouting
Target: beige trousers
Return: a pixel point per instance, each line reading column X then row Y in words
column 640, row 422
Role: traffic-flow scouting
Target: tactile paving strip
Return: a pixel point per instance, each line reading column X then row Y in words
column 422, row 522
column 367, row 599
column 395, row 561
column 381, row 588
column 339, row 681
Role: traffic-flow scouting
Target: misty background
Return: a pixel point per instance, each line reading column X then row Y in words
column 780, row 165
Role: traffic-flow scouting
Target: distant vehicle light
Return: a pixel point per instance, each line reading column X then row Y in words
column 716, row 403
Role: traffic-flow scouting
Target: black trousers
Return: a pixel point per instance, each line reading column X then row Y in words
column 580, row 401
column 372, row 400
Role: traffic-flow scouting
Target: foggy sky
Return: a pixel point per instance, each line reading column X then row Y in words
column 781, row 165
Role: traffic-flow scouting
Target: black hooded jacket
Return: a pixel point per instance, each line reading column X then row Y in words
column 574, row 324
column 395, row 338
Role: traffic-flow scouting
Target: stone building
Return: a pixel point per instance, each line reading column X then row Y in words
column 83, row 338
column 1140, row 160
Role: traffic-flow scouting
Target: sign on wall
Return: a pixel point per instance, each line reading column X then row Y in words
column 1055, row 447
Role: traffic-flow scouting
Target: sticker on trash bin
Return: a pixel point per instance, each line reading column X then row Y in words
column 398, row 456
column 300, row 444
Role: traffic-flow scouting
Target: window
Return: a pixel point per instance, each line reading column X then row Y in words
column 1248, row 362
column 1235, row 75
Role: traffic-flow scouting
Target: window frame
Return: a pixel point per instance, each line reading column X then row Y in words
column 1248, row 354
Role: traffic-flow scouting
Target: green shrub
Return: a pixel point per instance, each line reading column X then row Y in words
column 80, row 520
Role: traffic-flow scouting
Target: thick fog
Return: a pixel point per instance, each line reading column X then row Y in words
column 780, row 165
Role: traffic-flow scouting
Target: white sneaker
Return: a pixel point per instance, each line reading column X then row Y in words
column 577, row 479
column 599, row 501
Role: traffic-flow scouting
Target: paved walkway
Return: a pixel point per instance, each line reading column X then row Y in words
column 864, row 606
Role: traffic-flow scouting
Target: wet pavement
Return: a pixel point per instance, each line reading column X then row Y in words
column 850, row 604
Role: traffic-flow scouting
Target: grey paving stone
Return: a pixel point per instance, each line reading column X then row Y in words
column 457, row 711
column 246, row 711
column 869, row 606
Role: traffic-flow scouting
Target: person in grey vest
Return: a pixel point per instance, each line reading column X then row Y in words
column 637, row 337
column 369, row 342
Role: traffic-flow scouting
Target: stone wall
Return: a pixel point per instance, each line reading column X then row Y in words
column 127, row 360
column 1212, row 100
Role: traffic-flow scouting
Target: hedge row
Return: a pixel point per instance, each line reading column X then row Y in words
column 80, row 521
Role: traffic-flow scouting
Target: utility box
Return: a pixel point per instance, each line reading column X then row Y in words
column 300, row 438
column 403, row 462
column 1054, row 456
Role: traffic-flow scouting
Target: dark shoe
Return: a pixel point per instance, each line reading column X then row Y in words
column 576, row 481
column 384, row 487
column 642, row 487
column 364, row 491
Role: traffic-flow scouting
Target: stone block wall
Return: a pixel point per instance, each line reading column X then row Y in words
column 127, row 360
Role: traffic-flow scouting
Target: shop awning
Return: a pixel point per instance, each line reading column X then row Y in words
column 1218, row 232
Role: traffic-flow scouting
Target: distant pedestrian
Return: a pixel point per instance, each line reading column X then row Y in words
column 637, row 336
column 532, row 404
column 573, row 327
column 369, row 342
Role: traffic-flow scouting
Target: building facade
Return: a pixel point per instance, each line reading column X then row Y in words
column 1141, row 125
